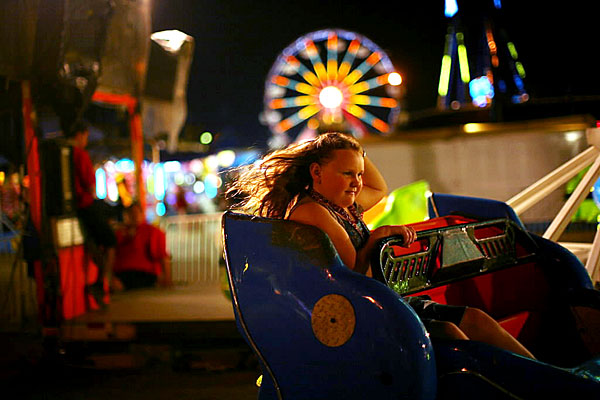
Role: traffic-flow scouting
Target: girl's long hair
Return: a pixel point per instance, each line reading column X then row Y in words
column 270, row 187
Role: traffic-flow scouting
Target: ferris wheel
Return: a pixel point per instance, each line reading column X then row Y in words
column 331, row 80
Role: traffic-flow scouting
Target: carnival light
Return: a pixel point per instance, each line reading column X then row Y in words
column 329, row 77
column 125, row 165
column 211, row 162
column 394, row 79
column 172, row 166
column 226, row 158
column 196, row 166
column 481, row 91
column 179, row 178
column 160, row 209
column 100, row 184
column 450, row 8
column 211, row 185
column 112, row 189
column 331, row 97
column 198, row 187
column 159, row 182
column 206, row 138
column 573, row 136
column 189, row 179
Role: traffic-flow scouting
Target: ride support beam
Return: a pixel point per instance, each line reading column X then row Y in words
column 532, row 195
column 562, row 219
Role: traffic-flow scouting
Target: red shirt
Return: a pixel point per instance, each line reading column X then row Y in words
column 85, row 178
column 142, row 252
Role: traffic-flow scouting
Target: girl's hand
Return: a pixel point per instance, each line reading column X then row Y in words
column 409, row 235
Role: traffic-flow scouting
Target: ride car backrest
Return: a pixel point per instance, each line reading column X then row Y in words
column 321, row 331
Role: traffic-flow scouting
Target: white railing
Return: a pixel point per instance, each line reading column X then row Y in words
column 195, row 245
column 588, row 253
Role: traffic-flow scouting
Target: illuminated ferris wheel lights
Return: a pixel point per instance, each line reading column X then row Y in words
column 394, row 79
column 313, row 123
column 330, row 77
column 331, row 97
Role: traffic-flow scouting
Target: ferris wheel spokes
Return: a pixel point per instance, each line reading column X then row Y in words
column 362, row 69
column 361, row 99
column 332, row 50
column 349, row 57
column 290, row 102
column 367, row 117
column 315, row 59
column 331, row 79
column 293, row 120
column 369, row 84
column 299, row 87
column 304, row 72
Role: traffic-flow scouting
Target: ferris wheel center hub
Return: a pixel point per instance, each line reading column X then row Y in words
column 331, row 97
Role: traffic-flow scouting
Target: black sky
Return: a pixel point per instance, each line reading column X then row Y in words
column 237, row 41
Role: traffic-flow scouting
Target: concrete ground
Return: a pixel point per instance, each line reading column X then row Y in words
column 27, row 373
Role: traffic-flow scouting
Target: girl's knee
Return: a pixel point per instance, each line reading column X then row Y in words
column 475, row 316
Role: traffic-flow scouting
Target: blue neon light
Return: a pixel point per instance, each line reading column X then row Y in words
column 160, row 209
column 159, row 182
column 100, row 184
column 451, row 8
column 125, row 165
column 481, row 91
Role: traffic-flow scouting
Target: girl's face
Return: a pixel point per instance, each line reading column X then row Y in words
column 340, row 179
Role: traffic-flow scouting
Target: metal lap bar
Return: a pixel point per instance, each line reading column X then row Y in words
column 461, row 254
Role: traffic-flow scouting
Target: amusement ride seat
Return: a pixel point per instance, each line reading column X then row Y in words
column 320, row 330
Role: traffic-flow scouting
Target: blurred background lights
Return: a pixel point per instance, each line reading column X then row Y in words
column 160, row 209
column 196, row 166
column 331, row 97
column 172, row 166
column 212, row 162
column 573, row 136
column 226, row 158
column 109, row 167
column 125, row 165
column 198, row 187
column 159, row 182
column 189, row 179
column 481, row 91
column 112, row 189
column 171, row 198
column 206, row 138
column 100, row 184
column 189, row 197
column 394, row 79
column 179, row 178
column 211, row 185
column 450, row 8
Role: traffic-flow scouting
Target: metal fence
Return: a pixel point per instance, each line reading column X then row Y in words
column 195, row 245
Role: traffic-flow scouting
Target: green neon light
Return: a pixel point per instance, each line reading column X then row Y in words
column 464, row 63
column 513, row 50
column 520, row 69
column 444, row 75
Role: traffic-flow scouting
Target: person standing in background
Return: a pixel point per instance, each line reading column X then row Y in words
column 91, row 211
column 141, row 255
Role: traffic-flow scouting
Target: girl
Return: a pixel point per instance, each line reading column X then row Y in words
column 328, row 183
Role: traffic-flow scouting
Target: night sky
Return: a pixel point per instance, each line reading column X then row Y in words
column 237, row 42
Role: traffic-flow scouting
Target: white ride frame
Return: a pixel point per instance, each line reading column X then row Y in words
column 588, row 253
